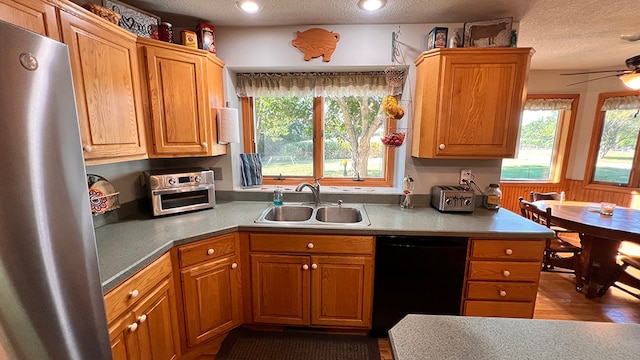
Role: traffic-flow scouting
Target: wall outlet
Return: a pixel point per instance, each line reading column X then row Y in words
column 217, row 173
column 465, row 175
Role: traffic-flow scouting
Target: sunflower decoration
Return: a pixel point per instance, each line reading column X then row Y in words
column 392, row 108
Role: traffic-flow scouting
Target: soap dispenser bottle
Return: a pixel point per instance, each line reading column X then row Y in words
column 278, row 196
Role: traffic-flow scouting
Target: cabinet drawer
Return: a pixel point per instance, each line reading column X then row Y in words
column 504, row 270
column 206, row 250
column 508, row 249
column 326, row 244
column 503, row 291
column 136, row 287
column 499, row 309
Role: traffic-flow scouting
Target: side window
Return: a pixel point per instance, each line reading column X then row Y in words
column 614, row 158
column 545, row 129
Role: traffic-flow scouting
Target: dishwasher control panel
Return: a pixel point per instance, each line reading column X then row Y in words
column 452, row 198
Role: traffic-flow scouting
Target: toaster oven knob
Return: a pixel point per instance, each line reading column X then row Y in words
column 467, row 202
column 172, row 181
column 447, row 201
column 197, row 178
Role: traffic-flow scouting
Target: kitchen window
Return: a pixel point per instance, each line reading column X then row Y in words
column 318, row 125
column 544, row 140
column 613, row 158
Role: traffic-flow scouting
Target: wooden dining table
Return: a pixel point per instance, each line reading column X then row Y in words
column 601, row 235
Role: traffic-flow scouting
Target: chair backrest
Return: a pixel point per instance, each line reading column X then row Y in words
column 535, row 196
column 531, row 212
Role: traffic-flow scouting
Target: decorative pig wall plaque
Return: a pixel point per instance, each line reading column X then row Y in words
column 316, row 42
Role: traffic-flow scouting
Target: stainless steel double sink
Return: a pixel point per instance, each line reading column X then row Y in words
column 310, row 214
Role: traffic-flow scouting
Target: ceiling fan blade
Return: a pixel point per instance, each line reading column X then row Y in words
column 602, row 77
column 595, row 72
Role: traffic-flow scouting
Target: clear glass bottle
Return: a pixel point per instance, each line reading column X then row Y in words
column 278, row 196
column 493, row 197
column 407, row 190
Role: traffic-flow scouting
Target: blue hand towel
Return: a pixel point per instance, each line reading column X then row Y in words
column 251, row 169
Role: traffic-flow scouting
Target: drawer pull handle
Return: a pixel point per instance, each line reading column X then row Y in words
column 314, row 266
column 134, row 293
column 142, row 318
column 305, row 267
column 506, row 273
column 503, row 293
column 234, row 265
column 509, row 252
column 310, row 245
column 133, row 327
column 210, row 252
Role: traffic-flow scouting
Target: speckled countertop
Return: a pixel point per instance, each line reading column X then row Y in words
column 423, row 337
column 127, row 246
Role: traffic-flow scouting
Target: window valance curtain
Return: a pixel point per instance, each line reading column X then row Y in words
column 314, row 83
column 548, row 104
column 621, row 103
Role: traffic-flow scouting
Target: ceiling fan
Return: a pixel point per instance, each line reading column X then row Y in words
column 630, row 78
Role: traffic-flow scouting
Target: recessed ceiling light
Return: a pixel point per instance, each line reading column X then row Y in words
column 371, row 5
column 248, row 6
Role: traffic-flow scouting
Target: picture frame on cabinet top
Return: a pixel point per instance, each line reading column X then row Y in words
column 132, row 19
column 489, row 33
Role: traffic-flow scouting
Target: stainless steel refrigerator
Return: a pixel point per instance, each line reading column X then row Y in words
column 51, row 304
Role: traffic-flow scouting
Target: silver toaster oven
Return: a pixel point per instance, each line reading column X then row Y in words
column 180, row 190
column 452, row 198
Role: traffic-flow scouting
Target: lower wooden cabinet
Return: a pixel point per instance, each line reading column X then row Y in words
column 317, row 280
column 211, row 290
column 147, row 327
column 502, row 277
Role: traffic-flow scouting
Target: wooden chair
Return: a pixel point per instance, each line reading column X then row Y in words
column 555, row 245
column 535, row 196
column 628, row 256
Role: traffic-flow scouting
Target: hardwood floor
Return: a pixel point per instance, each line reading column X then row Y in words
column 558, row 300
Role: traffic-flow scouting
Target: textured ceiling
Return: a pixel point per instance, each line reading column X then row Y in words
column 566, row 34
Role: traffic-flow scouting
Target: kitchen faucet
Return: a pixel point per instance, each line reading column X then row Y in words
column 315, row 190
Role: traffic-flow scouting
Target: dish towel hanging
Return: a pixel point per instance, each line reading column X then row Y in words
column 251, row 169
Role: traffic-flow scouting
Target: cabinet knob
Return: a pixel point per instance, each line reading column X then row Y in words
column 133, row 327
column 134, row 293
column 508, row 252
column 503, row 293
column 204, row 145
column 305, row 267
column 234, row 265
column 506, row 273
column 142, row 318
column 314, row 266
column 210, row 252
column 310, row 245
column 87, row 148
column 441, row 147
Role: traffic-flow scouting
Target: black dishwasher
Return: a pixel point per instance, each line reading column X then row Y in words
column 416, row 275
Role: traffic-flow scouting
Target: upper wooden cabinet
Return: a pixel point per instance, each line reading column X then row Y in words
column 104, row 65
column 468, row 102
column 183, row 91
column 35, row 15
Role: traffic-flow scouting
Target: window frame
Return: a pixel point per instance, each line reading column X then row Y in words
column 248, row 113
column 594, row 144
column 562, row 146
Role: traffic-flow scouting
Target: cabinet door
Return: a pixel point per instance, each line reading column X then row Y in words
column 124, row 343
column 280, row 289
column 216, row 101
column 107, row 86
column 178, row 102
column 157, row 321
column 341, row 290
column 212, row 299
column 37, row 16
column 481, row 100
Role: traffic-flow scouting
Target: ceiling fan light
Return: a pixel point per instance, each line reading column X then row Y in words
column 632, row 80
column 371, row 5
column 248, row 6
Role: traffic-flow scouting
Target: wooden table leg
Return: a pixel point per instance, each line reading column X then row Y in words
column 598, row 261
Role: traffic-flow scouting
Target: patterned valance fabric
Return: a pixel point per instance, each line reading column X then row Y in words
column 548, row 104
column 621, row 103
column 314, row 83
